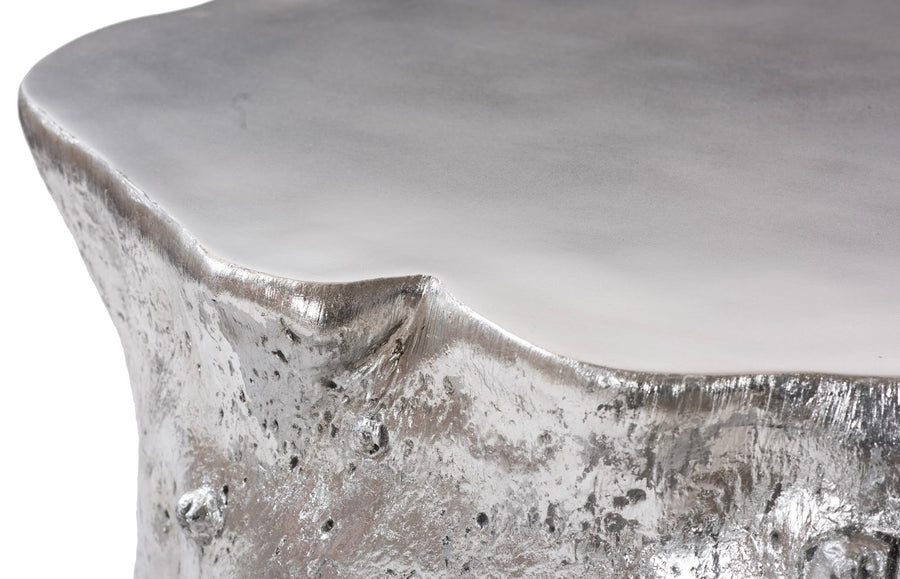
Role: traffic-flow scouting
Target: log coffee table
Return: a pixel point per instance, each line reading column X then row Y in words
column 679, row 222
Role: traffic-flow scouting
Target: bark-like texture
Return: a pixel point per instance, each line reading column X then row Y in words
column 380, row 428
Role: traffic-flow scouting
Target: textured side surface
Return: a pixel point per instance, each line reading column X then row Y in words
column 381, row 429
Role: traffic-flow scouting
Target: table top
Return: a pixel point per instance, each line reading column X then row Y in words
column 682, row 186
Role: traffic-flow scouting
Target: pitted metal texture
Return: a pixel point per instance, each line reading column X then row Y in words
column 381, row 428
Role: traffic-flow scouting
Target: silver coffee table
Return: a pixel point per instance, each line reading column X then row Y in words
column 500, row 287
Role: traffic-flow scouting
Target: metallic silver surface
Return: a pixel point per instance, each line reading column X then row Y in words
column 676, row 187
column 200, row 513
column 381, row 427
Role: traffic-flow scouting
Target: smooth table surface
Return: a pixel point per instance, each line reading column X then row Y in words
column 680, row 186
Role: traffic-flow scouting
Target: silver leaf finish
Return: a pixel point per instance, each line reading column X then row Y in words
column 500, row 459
column 382, row 428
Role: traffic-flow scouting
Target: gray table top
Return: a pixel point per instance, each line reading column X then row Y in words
column 682, row 186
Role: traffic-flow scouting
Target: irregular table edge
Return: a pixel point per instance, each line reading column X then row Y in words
column 327, row 302
column 397, row 328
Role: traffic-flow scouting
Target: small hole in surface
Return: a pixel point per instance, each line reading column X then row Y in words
column 290, row 333
column 295, row 460
column 482, row 520
column 327, row 526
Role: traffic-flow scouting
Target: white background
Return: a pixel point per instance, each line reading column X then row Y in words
column 68, row 435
